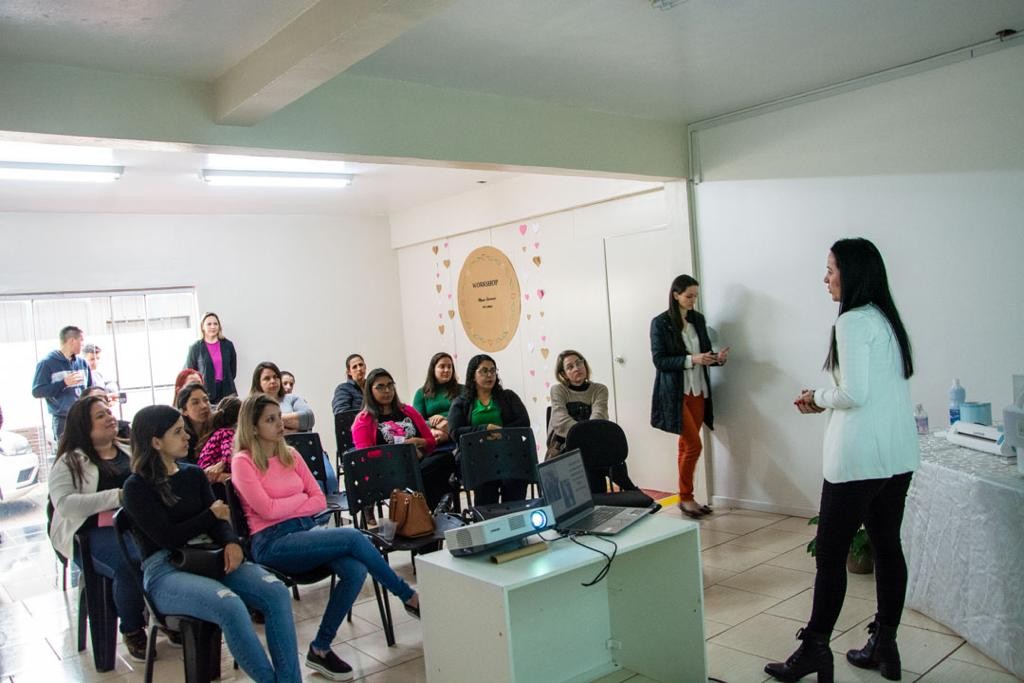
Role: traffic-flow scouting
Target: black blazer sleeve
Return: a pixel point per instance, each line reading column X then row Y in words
column 192, row 359
column 231, row 360
column 458, row 419
column 513, row 412
column 667, row 356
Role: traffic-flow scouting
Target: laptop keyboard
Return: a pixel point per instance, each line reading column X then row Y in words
column 597, row 518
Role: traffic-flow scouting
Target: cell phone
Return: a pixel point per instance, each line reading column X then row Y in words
column 122, row 396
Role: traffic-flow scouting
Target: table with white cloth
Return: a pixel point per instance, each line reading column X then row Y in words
column 963, row 535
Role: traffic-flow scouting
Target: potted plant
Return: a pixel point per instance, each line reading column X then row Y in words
column 859, row 559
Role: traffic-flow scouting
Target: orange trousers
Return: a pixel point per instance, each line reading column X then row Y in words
column 689, row 443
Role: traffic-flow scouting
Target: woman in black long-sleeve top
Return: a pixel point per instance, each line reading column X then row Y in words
column 485, row 405
column 214, row 358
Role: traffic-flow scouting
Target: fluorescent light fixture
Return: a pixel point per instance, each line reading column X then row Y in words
column 274, row 178
column 76, row 173
column 36, row 152
column 240, row 162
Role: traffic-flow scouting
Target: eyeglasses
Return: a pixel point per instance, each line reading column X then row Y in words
column 390, row 386
column 487, row 371
column 576, row 364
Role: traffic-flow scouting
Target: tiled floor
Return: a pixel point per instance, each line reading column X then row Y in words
column 757, row 588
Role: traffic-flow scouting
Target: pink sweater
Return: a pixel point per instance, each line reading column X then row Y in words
column 279, row 494
column 365, row 429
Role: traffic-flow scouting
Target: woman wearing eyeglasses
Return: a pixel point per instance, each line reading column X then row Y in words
column 485, row 405
column 386, row 420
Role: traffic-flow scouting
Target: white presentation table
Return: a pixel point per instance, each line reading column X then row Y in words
column 530, row 620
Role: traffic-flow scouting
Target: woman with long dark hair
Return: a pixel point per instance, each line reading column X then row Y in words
column 280, row 498
column 485, row 405
column 85, row 488
column 386, row 420
column 681, row 350
column 171, row 504
column 434, row 399
column 214, row 357
column 194, row 403
column 869, row 455
column 295, row 412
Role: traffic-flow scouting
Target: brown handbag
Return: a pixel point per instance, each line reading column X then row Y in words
column 410, row 514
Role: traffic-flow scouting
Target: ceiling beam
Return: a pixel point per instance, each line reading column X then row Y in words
column 321, row 43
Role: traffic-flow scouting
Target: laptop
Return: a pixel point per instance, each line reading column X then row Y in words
column 563, row 483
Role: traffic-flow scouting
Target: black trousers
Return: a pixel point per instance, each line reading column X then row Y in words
column 507, row 490
column 436, row 469
column 878, row 505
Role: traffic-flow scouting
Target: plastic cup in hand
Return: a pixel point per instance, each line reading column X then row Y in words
column 386, row 528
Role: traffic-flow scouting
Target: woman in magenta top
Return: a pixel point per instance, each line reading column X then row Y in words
column 386, row 420
column 280, row 498
column 214, row 358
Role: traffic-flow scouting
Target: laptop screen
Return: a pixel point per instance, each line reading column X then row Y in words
column 563, row 483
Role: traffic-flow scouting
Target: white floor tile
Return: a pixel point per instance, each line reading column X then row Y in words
column 797, row 558
column 956, row 671
column 970, row 654
column 920, row 650
column 734, row 666
column 765, row 579
column 773, row 540
column 731, row 606
column 766, row 636
column 734, row 558
column 855, row 610
column 733, row 523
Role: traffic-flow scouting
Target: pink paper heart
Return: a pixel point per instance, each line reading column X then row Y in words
column 455, row 356
column 449, row 295
column 543, row 338
column 536, row 245
column 540, row 294
column 547, row 385
column 527, row 295
column 445, row 245
column 522, row 229
column 532, row 373
column 439, row 316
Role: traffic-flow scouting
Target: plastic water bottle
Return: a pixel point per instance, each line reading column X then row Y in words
column 921, row 420
column 957, row 395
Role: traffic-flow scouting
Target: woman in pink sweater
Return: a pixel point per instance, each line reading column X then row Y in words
column 280, row 498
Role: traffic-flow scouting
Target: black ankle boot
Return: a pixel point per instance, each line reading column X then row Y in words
column 880, row 652
column 813, row 656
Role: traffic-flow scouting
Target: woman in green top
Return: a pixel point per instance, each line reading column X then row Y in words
column 434, row 399
column 485, row 405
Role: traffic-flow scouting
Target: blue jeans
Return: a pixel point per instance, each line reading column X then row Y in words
column 226, row 603
column 108, row 561
column 298, row 545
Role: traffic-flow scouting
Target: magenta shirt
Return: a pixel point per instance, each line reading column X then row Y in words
column 218, row 361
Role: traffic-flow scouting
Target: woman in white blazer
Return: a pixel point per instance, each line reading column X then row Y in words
column 870, row 452
column 85, row 488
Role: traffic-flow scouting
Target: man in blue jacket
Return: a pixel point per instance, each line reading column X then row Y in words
column 62, row 376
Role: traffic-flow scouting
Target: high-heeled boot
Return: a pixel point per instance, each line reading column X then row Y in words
column 880, row 652
column 813, row 656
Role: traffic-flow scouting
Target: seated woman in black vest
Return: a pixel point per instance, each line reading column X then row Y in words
column 485, row 405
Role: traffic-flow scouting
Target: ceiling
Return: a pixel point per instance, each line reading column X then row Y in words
column 700, row 58
column 167, row 181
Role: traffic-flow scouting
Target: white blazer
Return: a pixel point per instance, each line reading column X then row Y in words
column 72, row 506
column 870, row 432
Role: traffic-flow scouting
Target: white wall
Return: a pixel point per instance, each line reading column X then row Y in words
column 571, row 245
column 930, row 167
column 302, row 291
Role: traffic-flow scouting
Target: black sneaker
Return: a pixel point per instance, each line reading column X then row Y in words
column 330, row 665
column 136, row 644
column 173, row 638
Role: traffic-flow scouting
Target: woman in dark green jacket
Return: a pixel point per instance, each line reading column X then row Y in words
column 681, row 404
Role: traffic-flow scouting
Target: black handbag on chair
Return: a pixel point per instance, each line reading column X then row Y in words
column 204, row 559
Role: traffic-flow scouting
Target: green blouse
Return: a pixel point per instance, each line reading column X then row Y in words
column 484, row 415
column 435, row 405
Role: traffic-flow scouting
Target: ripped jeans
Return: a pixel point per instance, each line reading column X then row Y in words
column 225, row 603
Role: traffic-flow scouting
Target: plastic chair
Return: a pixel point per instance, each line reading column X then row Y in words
column 371, row 474
column 495, row 455
column 343, row 433
column 201, row 640
column 97, row 615
column 312, row 452
column 604, row 449
column 241, row 525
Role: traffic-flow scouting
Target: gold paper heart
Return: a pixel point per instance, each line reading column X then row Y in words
column 438, row 288
column 447, row 262
column 536, row 261
column 544, row 351
column 451, row 314
column 542, row 314
column 434, row 249
column 440, row 328
column 529, row 315
column 534, row 399
column 524, row 248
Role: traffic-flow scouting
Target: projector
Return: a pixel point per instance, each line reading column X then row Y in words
column 493, row 533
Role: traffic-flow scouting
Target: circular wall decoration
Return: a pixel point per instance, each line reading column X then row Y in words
column 489, row 304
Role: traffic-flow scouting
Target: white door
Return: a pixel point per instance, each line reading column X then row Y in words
column 639, row 268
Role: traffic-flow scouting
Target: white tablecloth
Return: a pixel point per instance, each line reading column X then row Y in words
column 963, row 534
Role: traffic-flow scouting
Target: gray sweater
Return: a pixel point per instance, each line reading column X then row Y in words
column 595, row 396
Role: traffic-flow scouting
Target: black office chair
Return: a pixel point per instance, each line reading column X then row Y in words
column 97, row 615
column 495, row 455
column 200, row 640
column 343, row 434
column 241, row 526
column 312, row 452
column 604, row 449
column 371, row 474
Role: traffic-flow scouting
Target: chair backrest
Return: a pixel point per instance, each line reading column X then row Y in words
column 124, row 526
column 343, row 429
column 308, row 446
column 602, row 444
column 49, row 523
column 547, row 417
column 496, row 454
column 371, row 474
column 238, row 520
